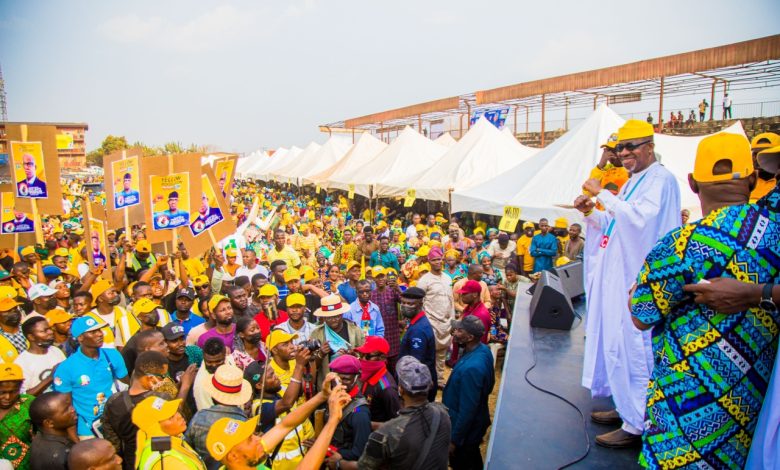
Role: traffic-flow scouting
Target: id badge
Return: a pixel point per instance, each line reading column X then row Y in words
column 604, row 241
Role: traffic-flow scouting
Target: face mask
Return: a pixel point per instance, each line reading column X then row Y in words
column 52, row 303
column 13, row 319
column 152, row 318
column 115, row 301
column 254, row 339
column 409, row 312
column 46, row 344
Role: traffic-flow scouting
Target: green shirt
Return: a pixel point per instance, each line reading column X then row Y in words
column 16, row 433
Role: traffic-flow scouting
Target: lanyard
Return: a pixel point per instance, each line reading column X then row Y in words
column 611, row 227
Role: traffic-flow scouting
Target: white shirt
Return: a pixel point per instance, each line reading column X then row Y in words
column 38, row 367
column 303, row 334
column 411, row 231
column 726, row 101
column 258, row 269
column 501, row 261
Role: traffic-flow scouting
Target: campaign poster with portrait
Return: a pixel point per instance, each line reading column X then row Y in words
column 29, row 170
column 126, row 179
column 97, row 242
column 14, row 220
column 209, row 212
column 223, row 170
column 170, row 202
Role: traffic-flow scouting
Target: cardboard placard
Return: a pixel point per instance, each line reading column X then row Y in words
column 225, row 171
column 169, row 184
column 351, row 193
column 411, row 195
column 39, row 157
column 16, row 226
column 510, row 219
column 122, row 208
column 97, row 239
column 210, row 219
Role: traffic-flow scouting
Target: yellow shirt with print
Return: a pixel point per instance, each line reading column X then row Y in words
column 290, row 453
column 762, row 189
column 524, row 250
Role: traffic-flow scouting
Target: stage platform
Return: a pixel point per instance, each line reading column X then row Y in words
column 533, row 430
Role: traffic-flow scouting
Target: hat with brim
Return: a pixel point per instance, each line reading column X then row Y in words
column 148, row 414
column 228, row 387
column 226, row 433
column 331, row 306
column 769, row 159
column 85, row 324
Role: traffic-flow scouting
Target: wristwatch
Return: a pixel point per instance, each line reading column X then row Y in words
column 766, row 302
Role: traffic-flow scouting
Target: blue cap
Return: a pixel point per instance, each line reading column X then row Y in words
column 51, row 271
column 82, row 325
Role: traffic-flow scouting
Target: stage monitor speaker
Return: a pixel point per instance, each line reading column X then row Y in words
column 551, row 306
column 571, row 278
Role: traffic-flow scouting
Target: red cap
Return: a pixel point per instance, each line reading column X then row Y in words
column 470, row 287
column 374, row 344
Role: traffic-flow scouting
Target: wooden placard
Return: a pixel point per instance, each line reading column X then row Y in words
column 170, row 187
column 124, row 207
column 40, row 143
column 210, row 220
column 16, row 226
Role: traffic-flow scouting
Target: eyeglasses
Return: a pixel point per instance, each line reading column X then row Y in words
column 203, row 287
column 630, row 146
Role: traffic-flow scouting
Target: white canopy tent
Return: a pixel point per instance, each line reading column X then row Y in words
column 277, row 161
column 365, row 149
column 255, row 161
column 282, row 170
column 446, row 140
column 398, row 167
column 483, row 153
column 546, row 184
column 328, row 155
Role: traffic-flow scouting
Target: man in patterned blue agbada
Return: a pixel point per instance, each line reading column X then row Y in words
column 711, row 369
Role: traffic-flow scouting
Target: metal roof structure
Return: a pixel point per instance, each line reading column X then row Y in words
column 740, row 66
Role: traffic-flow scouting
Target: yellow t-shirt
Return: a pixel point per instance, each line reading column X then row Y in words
column 523, row 249
column 762, row 188
column 194, row 267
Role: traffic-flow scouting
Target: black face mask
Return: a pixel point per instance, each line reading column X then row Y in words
column 45, row 344
column 115, row 301
column 409, row 312
column 152, row 318
column 52, row 303
column 211, row 370
column 13, row 319
column 253, row 339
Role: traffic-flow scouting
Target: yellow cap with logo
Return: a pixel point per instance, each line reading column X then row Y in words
column 724, row 146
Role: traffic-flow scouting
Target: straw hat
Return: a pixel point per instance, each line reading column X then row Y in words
column 331, row 305
column 227, row 386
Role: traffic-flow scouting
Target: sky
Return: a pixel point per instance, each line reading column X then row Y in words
column 245, row 75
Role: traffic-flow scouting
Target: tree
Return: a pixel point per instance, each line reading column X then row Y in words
column 110, row 144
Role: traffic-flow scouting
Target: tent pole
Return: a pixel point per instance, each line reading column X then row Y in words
column 661, row 108
column 449, row 199
column 712, row 98
column 515, row 120
column 543, row 97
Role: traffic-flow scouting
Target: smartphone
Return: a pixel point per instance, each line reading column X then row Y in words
column 335, row 383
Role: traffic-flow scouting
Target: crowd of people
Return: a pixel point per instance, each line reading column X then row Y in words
column 316, row 334
column 321, row 333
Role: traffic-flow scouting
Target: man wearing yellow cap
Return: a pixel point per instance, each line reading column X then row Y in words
column 120, row 324
column 698, row 410
column 766, row 179
column 617, row 358
column 160, row 418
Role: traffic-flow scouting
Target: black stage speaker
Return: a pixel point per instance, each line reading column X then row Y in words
column 551, row 306
column 571, row 278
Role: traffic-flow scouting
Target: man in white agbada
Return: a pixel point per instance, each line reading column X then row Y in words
column 618, row 357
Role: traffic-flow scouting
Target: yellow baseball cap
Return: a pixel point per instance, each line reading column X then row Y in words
column 765, row 140
column 378, row 271
column 231, row 252
column 61, row 252
column 8, row 292
column 723, row 146
column 278, row 337
column 98, row 288
column 528, row 225
column 201, row 280
column 291, row 274
column 143, row 246
column 423, row 250
column 215, row 300
column 227, row 433
column 295, row 299
column 309, row 275
column 11, row 372
column 635, row 129
column 268, row 290
column 561, row 222
column 352, row 264
column 612, row 141
column 27, row 250
column 769, row 159
column 144, row 305
column 7, row 304
column 57, row 315
column 148, row 414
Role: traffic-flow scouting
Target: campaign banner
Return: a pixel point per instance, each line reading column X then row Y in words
column 29, row 170
column 126, row 179
column 497, row 116
column 170, row 201
column 14, row 220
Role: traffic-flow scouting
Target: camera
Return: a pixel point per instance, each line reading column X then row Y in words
column 311, row 344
